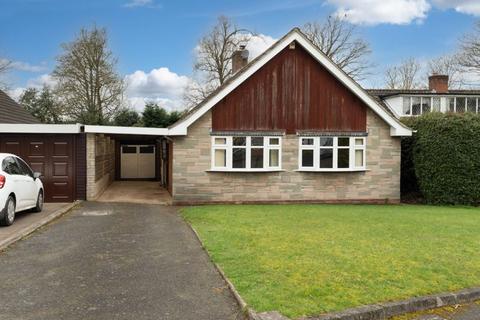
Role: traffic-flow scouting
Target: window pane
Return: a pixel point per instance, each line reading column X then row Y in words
column 274, row 141
column 307, row 158
column 239, row 141
column 274, row 158
column 239, row 158
column 343, row 142
column 451, row 104
column 359, row 141
column 460, row 106
column 220, row 140
column 343, row 158
column 415, row 105
column 358, row 158
column 406, row 105
column 147, row 149
column 326, row 158
column 257, row 141
column 220, row 158
column 256, row 158
column 436, row 104
column 307, row 141
column 326, row 142
column 127, row 149
column 426, row 104
column 472, row 104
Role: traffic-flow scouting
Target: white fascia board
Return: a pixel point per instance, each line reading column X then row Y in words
column 127, row 130
column 40, row 128
column 397, row 129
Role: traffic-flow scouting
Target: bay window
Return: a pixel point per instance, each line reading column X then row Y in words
column 332, row 153
column 246, row 153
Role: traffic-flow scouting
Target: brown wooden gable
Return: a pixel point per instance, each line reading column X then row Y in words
column 291, row 92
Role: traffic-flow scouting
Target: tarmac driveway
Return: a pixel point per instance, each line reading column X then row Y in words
column 113, row 261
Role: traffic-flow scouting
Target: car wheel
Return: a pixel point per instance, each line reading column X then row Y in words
column 9, row 212
column 39, row 205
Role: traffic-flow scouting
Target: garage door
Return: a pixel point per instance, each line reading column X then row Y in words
column 137, row 162
column 52, row 156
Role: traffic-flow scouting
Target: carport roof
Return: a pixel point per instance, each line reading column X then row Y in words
column 127, row 130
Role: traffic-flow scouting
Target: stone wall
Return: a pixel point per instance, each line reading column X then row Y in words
column 193, row 183
column 100, row 164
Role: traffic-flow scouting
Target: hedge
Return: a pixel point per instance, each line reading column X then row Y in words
column 445, row 154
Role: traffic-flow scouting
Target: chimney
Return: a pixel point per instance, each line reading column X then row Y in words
column 239, row 59
column 438, row 83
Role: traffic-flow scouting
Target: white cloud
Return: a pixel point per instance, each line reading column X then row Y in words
column 372, row 12
column 141, row 3
column 40, row 81
column 464, row 6
column 24, row 66
column 258, row 44
column 159, row 85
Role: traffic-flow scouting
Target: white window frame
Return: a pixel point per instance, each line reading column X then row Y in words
column 228, row 147
column 316, row 154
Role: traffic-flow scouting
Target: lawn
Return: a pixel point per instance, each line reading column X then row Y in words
column 310, row 259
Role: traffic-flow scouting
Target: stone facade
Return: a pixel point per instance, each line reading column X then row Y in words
column 100, row 164
column 193, row 183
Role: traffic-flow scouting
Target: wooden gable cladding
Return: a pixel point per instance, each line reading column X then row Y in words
column 291, row 92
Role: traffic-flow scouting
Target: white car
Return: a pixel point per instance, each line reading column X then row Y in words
column 20, row 188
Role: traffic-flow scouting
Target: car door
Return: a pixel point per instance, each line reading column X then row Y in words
column 31, row 191
column 19, row 186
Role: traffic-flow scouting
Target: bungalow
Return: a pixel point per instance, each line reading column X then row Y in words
column 289, row 126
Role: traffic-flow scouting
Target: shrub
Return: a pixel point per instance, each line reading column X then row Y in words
column 446, row 157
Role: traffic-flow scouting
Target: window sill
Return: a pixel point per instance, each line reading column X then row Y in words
column 246, row 171
column 332, row 170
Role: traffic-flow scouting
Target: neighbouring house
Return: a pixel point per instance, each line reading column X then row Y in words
column 289, row 126
column 437, row 98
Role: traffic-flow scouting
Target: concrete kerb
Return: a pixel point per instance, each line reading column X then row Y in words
column 379, row 311
column 5, row 243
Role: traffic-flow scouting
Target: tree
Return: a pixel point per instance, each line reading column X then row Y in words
column 88, row 84
column 213, row 60
column 42, row 105
column 127, row 118
column 155, row 116
column 403, row 76
column 5, row 65
column 469, row 55
column 447, row 65
column 340, row 42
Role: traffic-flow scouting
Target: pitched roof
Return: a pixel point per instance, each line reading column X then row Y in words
column 396, row 127
column 12, row 112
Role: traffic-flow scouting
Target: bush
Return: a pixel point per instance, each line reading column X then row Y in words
column 446, row 158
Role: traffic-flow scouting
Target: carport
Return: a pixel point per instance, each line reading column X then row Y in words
column 128, row 164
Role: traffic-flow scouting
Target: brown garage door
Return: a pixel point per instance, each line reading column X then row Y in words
column 51, row 155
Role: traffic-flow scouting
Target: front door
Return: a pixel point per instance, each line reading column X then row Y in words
column 137, row 162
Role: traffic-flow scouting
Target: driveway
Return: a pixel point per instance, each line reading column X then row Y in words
column 113, row 261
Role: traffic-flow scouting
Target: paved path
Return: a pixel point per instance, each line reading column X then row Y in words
column 113, row 261
column 465, row 312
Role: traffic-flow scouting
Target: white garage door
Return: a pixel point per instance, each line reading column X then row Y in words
column 137, row 161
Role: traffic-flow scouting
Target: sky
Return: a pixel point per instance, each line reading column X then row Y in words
column 154, row 40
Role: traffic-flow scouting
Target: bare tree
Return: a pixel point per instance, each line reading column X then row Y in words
column 213, row 60
column 447, row 65
column 88, row 84
column 340, row 42
column 403, row 76
column 5, row 65
column 469, row 55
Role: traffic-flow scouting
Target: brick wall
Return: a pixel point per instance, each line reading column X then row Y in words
column 100, row 164
column 192, row 183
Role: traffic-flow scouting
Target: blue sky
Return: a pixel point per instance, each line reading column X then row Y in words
column 156, row 38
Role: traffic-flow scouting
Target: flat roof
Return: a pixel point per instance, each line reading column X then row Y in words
column 126, row 130
column 39, row 128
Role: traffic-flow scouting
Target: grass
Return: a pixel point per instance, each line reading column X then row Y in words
column 310, row 259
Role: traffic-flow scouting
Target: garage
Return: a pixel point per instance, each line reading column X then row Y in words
column 59, row 157
column 137, row 161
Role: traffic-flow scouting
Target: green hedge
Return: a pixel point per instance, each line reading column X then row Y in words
column 445, row 154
